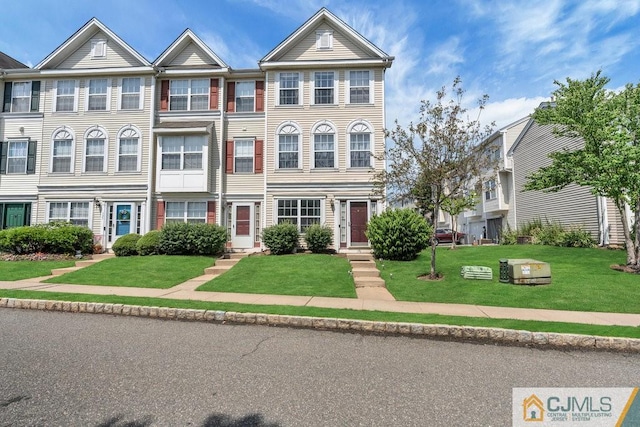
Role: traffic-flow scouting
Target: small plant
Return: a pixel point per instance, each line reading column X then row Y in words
column 281, row 238
column 509, row 236
column 126, row 245
column 148, row 244
column 577, row 237
column 318, row 238
column 398, row 234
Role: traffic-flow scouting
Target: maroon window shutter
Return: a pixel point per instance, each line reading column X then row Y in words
column 258, row 156
column 160, row 215
column 164, row 95
column 213, row 98
column 229, row 158
column 231, row 97
column 260, row 95
column 211, row 212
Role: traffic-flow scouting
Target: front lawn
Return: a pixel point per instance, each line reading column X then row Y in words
column 300, row 274
column 158, row 271
column 581, row 279
column 18, row 270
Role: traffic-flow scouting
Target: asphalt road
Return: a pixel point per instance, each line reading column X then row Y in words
column 72, row 369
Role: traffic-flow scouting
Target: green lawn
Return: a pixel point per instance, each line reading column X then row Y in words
column 574, row 328
column 581, row 279
column 300, row 274
column 18, row 270
column 158, row 271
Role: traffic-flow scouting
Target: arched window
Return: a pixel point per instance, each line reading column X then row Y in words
column 359, row 145
column 95, row 150
column 62, row 149
column 288, row 146
column 128, row 155
column 324, row 146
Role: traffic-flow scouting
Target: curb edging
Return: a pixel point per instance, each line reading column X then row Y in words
column 417, row 330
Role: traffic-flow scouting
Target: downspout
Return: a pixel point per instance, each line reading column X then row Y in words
column 222, row 96
column 265, row 163
column 152, row 150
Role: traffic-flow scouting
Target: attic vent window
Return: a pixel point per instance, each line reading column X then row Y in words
column 98, row 49
column 324, row 39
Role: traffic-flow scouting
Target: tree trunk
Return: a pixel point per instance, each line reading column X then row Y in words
column 632, row 259
column 434, row 224
column 636, row 241
column 454, row 231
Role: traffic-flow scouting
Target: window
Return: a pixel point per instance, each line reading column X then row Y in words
column 128, row 150
column 182, row 152
column 97, row 95
column 21, row 97
column 187, row 95
column 245, row 95
column 191, row 212
column 304, row 212
column 130, row 98
column 360, row 146
column 243, row 155
column 17, row 157
column 490, row 190
column 95, row 152
column 324, row 147
column 324, row 39
column 359, row 87
column 289, row 89
column 323, row 92
column 98, row 49
column 62, row 152
column 288, row 147
column 75, row 212
column 65, row 95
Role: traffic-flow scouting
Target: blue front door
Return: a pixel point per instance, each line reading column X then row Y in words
column 123, row 219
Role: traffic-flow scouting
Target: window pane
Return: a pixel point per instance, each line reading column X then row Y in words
column 58, row 211
column 324, row 151
column 244, row 104
column 130, row 101
column 289, row 88
column 17, row 157
column 193, row 161
column 196, row 210
column 359, row 87
column 171, row 144
column 324, row 87
column 131, row 85
column 194, row 143
column 288, row 151
column 175, row 209
column 128, row 161
column 360, row 150
column 21, row 97
column 179, row 87
column 65, row 99
column 200, row 102
column 171, row 162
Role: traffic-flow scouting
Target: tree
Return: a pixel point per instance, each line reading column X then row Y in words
column 437, row 158
column 609, row 124
column 454, row 205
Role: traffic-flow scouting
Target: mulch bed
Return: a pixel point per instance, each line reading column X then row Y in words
column 624, row 268
column 39, row 257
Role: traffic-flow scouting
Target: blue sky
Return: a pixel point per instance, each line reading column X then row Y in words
column 510, row 50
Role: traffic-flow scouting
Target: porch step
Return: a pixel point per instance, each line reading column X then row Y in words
column 360, row 257
column 61, row 271
column 365, row 272
column 363, row 264
column 365, row 282
column 235, row 255
column 221, row 262
column 87, row 262
column 225, row 264
column 103, row 256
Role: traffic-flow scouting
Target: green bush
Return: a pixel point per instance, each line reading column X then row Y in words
column 550, row 233
column 577, row 237
column 398, row 234
column 192, row 239
column 281, row 238
column 25, row 240
column 4, row 244
column 318, row 238
column 126, row 245
column 509, row 236
column 66, row 238
column 148, row 244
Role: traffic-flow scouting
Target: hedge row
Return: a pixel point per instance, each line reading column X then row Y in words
column 283, row 238
column 54, row 238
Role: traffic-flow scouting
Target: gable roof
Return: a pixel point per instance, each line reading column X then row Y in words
column 183, row 41
column 311, row 23
column 82, row 36
column 520, row 137
column 7, row 62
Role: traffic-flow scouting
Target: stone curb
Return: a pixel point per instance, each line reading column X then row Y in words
column 417, row 330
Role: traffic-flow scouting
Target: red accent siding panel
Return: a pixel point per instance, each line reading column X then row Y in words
column 229, row 157
column 258, row 156
column 164, row 95
column 231, row 97
column 211, row 212
column 160, row 215
column 260, row 95
column 213, row 98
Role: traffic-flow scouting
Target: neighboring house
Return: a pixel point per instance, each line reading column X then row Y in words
column 98, row 135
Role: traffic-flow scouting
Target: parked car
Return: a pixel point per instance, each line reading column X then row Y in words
column 445, row 235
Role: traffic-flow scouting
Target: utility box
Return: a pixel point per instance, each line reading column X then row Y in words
column 527, row 272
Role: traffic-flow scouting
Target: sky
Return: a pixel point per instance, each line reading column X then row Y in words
column 510, row 50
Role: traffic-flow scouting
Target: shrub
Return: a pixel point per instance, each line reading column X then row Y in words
column 281, row 238
column 66, row 238
column 509, row 236
column 25, row 240
column 577, row 237
column 4, row 245
column 148, row 244
column 192, row 239
column 398, row 234
column 318, row 238
column 126, row 245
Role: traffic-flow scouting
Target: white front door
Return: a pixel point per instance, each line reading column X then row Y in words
column 242, row 225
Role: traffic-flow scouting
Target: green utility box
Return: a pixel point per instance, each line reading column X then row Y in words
column 476, row 272
column 525, row 272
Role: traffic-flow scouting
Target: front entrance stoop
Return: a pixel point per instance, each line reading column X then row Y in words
column 366, row 277
column 223, row 264
column 80, row 264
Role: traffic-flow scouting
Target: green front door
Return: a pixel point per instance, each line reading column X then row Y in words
column 14, row 215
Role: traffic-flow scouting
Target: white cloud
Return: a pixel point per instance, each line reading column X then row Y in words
column 509, row 110
column 445, row 57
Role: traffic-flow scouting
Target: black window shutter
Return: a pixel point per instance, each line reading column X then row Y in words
column 1, row 216
column 31, row 158
column 4, row 145
column 27, row 214
column 7, row 97
column 35, row 95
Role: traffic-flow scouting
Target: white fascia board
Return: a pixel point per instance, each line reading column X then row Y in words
column 190, row 72
column 330, row 63
column 97, row 71
column 180, row 131
column 183, row 39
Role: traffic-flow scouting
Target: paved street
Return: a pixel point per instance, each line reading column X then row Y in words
column 71, row 369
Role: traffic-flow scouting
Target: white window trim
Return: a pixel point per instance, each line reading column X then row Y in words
column 235, row 101
column 204, row 152
column 13, row 86
column 322, row 208
column 189, row 95
column 55, row 97
column 300, row 90
column 277, row 145
column 319, row 34
column 95, row 43
column 140, row 94
column 492, row 190
column 68, row 202
column 372, row 144
column 104, row 154
column 186, row 209
column 347, row 95
column 73, row 149
column 312, row 87
column 86, row 98
column 139, row 153
column 312, row 148
column 253, row 156
column 26, row 156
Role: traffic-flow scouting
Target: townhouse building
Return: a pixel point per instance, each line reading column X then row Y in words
column 98, row 135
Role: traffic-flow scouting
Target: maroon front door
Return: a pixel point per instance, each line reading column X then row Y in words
column 358, row 215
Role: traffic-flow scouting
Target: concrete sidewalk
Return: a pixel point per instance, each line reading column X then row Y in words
column 186, row 291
